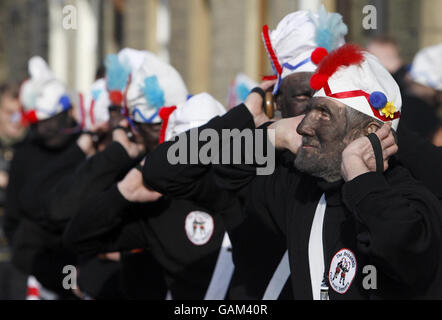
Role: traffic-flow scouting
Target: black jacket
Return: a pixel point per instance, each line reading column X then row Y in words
column 35, row 250
column 388, row 221
column 106, row 222
column 257, row 243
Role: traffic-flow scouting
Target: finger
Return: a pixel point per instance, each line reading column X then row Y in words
column 104, row 126
column 266, row 85
column 119, row 132
column 99, row 127
column 388, row 152
column 124, row 123
column 385, row 165
column 156, row 195
column 383, row 131
column 388, row 141
column 140, row 147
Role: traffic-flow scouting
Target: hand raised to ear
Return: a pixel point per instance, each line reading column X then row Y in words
column 359, row 158
column 119, row 135
column 254, row 103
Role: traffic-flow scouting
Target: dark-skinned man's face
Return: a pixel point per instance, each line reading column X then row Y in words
column 55, row 132
column 115, row 116
column 147, row 134
column 294, row 94
column 325, row 134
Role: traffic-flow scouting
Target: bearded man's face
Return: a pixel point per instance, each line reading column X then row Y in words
column 294, row 94
column 325, row 134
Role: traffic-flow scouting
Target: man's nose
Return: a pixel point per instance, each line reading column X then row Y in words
column 306, row 128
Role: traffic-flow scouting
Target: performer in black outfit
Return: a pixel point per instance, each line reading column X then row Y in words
column 386, row 220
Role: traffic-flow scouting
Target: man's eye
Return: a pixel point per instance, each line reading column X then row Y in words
column 325, row 115
column 302, row 97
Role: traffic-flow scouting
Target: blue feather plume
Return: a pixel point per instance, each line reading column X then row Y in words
column 329, row 29
column 96, row 93
column 153, row 92
column 242, row 91
column 117, row 74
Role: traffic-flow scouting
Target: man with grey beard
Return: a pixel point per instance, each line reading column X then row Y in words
column 339, row 204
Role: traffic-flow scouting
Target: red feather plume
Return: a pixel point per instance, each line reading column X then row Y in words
column 164, row 114
column 348, row 54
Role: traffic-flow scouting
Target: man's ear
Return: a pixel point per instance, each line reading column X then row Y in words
column 278, row 101
column 371, row 127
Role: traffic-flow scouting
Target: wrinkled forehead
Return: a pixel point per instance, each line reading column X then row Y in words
column 297, row 79
column 332, row 104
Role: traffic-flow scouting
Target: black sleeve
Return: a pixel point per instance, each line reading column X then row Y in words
column 37, row 191
column 423, row 159
column 13, row 212
column 399, row 225
column 193, row 180
column 94, row 175
column 104, row 225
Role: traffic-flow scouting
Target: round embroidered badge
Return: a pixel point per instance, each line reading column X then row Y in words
column 199, row 227
column 342, row 270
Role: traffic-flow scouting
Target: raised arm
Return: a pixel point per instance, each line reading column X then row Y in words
column 94, row 175
column 106, row 223
column 398, row 219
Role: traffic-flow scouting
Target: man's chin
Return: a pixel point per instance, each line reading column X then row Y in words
column 305, row 163
column 307, row 154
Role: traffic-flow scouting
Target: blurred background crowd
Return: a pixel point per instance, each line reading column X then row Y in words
column 208, row 41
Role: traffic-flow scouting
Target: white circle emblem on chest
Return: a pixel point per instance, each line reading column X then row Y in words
column 199, row 227
column 342, row 270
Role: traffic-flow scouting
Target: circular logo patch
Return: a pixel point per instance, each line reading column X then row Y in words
column 342, row 270
column 199, row 227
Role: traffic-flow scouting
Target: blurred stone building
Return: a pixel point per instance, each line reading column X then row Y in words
column 208, row 41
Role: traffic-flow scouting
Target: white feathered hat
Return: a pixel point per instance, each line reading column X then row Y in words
column 291, row 45
column 154, row 85
column 94, row 105
column 426, row 68
column 42, row 96
column 359, row 80
column 195, row 112
column 119, row 71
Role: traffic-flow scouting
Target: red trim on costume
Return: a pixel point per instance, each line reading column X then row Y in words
column 32, row 291
column 269, row 48
column 24, row 120
column 116, row 97
column 359, row 93
column 82, row 111
column 272, row 77
column 164, row 114
column 91, row 112
column 30, row 116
